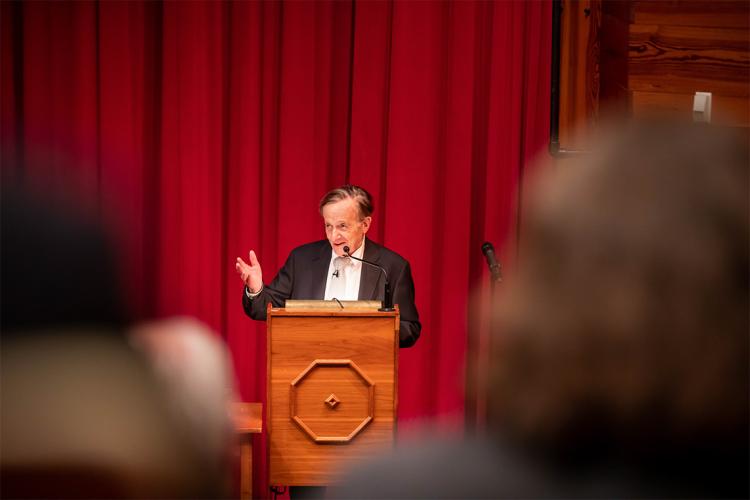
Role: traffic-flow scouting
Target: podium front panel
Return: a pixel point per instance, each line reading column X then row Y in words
column 332, row 392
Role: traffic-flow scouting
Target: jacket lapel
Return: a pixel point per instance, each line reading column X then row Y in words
column 320, row 271
column 368, row 281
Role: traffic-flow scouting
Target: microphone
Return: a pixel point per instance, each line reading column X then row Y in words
column 495, row 269
column 387, row 297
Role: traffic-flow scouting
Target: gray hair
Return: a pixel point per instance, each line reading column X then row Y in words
column 349, row 191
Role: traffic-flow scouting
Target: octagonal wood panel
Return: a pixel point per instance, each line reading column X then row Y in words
column 332, row 400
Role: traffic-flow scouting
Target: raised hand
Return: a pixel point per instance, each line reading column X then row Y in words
column 251, row 274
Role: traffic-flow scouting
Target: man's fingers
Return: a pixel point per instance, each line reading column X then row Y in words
column 242, row 269
column 253, row 259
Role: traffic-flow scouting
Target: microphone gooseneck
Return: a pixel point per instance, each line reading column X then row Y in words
column 387, row 296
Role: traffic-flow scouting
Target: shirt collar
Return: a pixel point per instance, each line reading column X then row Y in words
column 360, row 253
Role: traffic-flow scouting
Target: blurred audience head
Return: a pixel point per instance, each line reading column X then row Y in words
column 57, row 267
column 84, row 414
column 624, row 337
column 194, row 367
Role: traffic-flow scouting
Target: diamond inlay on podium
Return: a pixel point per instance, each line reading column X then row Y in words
column 332, row 401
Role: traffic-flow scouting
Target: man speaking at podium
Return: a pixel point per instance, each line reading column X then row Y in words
column 332, row 269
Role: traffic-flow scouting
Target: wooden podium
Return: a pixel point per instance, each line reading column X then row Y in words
column 332, row 391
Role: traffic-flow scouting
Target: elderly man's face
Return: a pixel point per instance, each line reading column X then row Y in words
column 343, row 226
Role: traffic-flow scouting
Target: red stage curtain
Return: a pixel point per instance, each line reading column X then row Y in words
column 200, row 130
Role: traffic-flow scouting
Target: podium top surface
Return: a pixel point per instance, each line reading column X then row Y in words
column 361, row 305
column 280, row 311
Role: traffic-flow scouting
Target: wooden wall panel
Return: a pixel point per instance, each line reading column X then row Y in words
column 648, row 58
column 684, row 59
column 614, row 56
column 677, row 48
column 579, row 71
column 726, row 111
column 706, row 13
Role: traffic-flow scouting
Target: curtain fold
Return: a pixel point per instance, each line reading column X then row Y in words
column 200, row 130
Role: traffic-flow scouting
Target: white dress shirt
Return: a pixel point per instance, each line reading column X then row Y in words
column 353, row 273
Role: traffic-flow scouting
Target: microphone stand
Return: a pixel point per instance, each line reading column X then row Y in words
column 477, row 371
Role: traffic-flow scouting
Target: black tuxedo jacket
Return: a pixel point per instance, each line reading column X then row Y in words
column 305, row 273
